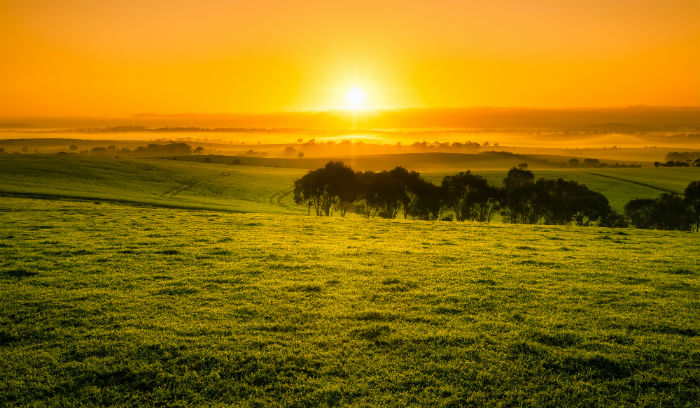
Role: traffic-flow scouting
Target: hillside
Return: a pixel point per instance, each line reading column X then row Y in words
column 265, row 185
column 112, row 305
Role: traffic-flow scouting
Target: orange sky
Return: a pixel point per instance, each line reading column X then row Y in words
column 112, row 58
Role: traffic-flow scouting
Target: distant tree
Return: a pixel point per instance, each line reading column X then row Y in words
column 591, row 163
column 574, row 162
column 73, row 148
column 300, row 155
column 290, row 151
column 25, row 149
column 682, row 156
column 691, row 196
column 98, row 151
column 522, row 166
column 198, row 150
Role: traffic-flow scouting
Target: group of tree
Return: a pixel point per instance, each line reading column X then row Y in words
column 593, row 163
column 469, row 197
column 463, row 196
column 667, row 212
column 671, row 163
column 680, row 159
column 152, row 149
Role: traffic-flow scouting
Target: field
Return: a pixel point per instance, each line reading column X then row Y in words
column 169, row 283
column 105, row 304
column 263, row 185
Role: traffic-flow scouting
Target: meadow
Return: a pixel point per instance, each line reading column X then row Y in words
column 159, row 282
column 104, row 304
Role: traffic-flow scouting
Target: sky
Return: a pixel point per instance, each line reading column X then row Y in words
column 119, row 58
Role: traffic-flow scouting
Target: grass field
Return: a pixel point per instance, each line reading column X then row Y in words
column 104, row 304
column 181, row 283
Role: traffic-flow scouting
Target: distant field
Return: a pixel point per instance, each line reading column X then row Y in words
column 157, row 182
column 105, row 304
column 260, row 186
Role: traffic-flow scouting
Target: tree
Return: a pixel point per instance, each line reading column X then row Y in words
column 73, row 148
column 640, row 211
column 198, row 150
column 671, row 213
column 591, row 163
column 383, row 193
column 470, row 197
column 667, row 212
column 574, row 162
column 342, row 184
column 427, row 201
column 691, row 196
column 311, row 189
column 321, row 189
column 519, row 195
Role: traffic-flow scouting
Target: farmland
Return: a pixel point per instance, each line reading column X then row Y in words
column 169, row 283
column 264, row 186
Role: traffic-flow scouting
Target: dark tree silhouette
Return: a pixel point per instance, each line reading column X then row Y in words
column 383, row 193
column 640, row 211
column 519, row 195
column 692, row 201
column 427, row 202
column 335, row 184
column 470, row 197
column 671, row 213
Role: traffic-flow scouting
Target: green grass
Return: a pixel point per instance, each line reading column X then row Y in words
column 104, row 304
column 155, row 182
column 141, row 282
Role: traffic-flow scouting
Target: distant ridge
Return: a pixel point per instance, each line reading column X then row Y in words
column 632, row 118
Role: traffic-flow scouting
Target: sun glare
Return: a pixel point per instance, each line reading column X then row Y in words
column 355, row 98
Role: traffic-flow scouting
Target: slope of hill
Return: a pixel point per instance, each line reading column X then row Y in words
column 267, row 189
column 113, row 305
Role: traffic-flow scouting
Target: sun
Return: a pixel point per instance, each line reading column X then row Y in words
column 355, row 98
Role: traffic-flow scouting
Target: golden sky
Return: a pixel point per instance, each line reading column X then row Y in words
column 112, row 58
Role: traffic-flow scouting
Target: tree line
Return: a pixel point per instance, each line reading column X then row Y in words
column 465, row 196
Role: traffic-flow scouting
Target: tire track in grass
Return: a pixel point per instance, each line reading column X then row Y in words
column 188, row 184
column 276, row 198
column 639, row 183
